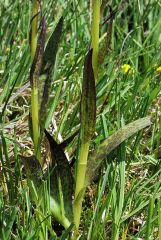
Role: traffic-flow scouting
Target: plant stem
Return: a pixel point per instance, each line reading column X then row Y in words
column 35, row 122
column 34, row 91
column 80, row 181
column 96, row 4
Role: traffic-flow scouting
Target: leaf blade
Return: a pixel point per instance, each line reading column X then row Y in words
column 88, row 100
column 109, row 144
column 48, row 68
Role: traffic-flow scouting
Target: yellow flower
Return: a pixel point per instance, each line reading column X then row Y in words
column 126, row 68
column 7, row 50
column 158, row 69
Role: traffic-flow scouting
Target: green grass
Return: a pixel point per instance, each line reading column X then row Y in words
column 123, row 199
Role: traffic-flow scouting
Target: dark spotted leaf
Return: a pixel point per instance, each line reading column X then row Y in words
column 48, row 68
column 60, row 171
column 67, row 141
column 38, row 58
column 52, row 47
column 88, row 100
column 33, row 169
column 99, row 154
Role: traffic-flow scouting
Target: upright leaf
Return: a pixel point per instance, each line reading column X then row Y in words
column 38, row 58
column 52, row 47
column 48, row 68
column 34, row 81
column 88, row 119
column 88, row 101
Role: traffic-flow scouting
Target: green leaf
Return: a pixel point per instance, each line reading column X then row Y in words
column 7, row 170
column 67, row 232
column 10, row 222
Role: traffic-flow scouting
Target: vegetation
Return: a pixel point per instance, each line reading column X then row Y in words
column 80, row 120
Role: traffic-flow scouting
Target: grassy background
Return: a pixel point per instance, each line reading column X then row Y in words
column 124, row 201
